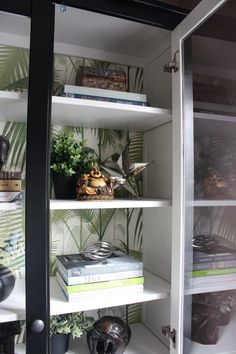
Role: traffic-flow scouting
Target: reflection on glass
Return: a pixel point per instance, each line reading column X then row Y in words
column 14, row 63
column 184, row 4
column 210, row 266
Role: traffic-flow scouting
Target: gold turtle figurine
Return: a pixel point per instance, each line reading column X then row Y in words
column 95, row 186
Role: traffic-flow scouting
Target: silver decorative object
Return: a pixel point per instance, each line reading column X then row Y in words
column 98, row 250
column 124, row 172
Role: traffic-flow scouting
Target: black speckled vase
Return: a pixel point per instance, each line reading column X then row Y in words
column 7, row 282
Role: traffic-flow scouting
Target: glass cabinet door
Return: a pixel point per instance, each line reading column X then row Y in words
column 14, row 73
column 25, row 83
column 208, row 273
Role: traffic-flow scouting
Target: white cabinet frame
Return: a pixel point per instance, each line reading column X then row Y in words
column 200, row 13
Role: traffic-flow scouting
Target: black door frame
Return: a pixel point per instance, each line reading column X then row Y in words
column 151, row 12
column 38, row 177
column 41, row 12
column 22, row 7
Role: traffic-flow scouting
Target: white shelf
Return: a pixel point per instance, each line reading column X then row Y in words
column 13, row 308
column 86, row 113
column 142, row 342
column 97, row 114
column 154, row 289
column 217, row 203
column 56, row 204
column 226, row 343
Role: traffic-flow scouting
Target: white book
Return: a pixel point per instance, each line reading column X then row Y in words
column 97, row 92
column 76, row 264
column 92, row 295
column 9, row 196
column 212, row 279
column 93, row 278
column 102, row 285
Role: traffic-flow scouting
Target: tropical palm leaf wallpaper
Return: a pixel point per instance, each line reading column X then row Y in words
column 71, row 230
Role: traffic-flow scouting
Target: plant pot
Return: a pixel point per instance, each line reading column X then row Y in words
column 64, row 186
column 7, row 282
column 59, row 343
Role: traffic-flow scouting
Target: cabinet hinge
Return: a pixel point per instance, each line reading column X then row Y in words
column 173, row 65
column 166, row 331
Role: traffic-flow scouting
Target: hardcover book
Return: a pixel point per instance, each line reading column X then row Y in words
column 214, row 256
column 104, row 99
column 91, row 91
column 77, row 264
column 10, row 196
column 212, row 272
column 212, row 279
column 212, row 248
column 96, row 277
column 89, row 296
column 215, row 265
column 80, row 288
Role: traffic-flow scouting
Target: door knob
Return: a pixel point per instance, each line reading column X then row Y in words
column 37, row 326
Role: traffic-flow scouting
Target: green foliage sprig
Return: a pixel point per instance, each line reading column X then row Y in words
column 69, row 156
column 71, row 323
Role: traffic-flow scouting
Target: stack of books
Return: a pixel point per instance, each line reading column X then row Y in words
column 79, row 276
column 97, row 94
column 214, row 264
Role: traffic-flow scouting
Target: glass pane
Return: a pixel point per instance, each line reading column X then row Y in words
column 95, row 74
column 210, row 258
column 14, row 62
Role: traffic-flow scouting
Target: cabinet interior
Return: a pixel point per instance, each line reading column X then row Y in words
column 141, row 50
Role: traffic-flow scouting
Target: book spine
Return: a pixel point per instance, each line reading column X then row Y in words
column 93, row 278
column 214, row 258
column 106, row 99
column 99, row 285
column 211, row 272
column 214, row 265
column 83, row 90
column 89, row 270
column 213, row 279
column 104, row 270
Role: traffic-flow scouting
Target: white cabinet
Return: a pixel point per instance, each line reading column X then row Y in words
column 168, row 203
column 191, row 197
column 129, row 44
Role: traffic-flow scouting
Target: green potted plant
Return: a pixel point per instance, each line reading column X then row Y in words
column 68, row 159
column 62, row 326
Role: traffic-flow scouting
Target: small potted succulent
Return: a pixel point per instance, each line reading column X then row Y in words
column 62, row 326
column 68, row 159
